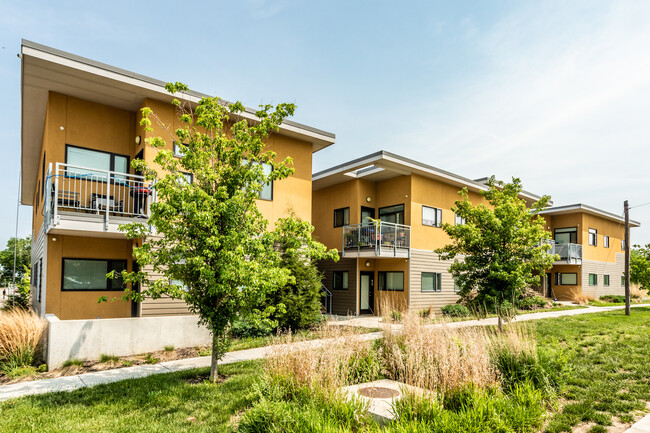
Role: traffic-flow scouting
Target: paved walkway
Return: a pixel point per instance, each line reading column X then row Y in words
column 69, row 383
column 641, row 426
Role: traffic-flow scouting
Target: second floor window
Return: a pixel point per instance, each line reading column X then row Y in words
column 94, row 159
column 341, row 217
column 431, row 216
column 459, row 220
column 593, row 237
column 622, row 244
column 392, row 214
column 606, row 241
column 566, row 235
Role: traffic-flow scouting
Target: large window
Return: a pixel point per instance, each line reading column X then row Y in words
column 566, row 279
column 568, row 235
column 90, row 274
column 431, row 216
column 341, row 217
column 606, row 241
column 267, row 190
column 593, row 237
column 391, row 281
column 392, row 214
column 593, row 279
column 94, row 159
column 340, row 280
column 431, row 282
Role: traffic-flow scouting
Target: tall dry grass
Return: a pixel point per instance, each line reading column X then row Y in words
column 636, row 292
column 581, row 299
column 327, row 364
column 21, row 337
column 438, row 357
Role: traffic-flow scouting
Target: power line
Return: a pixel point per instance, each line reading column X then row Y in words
column 639, row 205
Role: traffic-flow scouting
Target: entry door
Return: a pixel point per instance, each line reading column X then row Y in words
column 549, row 288
column 366, row 292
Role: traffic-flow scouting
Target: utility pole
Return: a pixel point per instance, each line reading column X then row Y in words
column 626, row 209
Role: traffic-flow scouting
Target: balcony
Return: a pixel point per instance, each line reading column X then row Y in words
column 376, row 239
column 88, row 202
column 570, row 254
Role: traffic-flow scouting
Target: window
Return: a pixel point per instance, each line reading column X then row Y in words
column 341, row 217
column 606, row 280
column 189, row 177
column 391, row 281
column 43, row 174
column 267, row 190
column 457, row 286
column 177, row 150
column 567, row 235
column 593, row 237
column 367, row 214
column 94, row 159
column 623, row 244
column 90, row 274
column 606, row 241
column 431, row 282
column 593, row 279
column 459, row 220
column 623, row 280
column 340, row 280
column 180, row 284
column 566, row 279
column 431, row 216
column 392, row 214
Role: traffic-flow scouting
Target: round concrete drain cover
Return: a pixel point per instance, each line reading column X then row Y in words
column 378, row 392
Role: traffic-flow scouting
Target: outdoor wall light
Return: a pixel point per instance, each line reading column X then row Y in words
column 367, row 263
column 138, row 139
column 368, row 199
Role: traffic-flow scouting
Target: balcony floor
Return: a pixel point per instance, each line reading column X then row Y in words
column 384, row 253
column 90, row 224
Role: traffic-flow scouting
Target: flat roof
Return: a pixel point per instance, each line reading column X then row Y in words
column 45, row 69
column 384, row 165
column 580, row 207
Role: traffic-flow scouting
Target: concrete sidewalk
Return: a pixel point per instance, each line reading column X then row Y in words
column 641, row 426
column 87, row 380
column 69, row 383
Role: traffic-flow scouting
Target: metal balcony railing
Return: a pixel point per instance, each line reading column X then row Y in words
column 71, row 188
column 377, row 238
column 571, row 253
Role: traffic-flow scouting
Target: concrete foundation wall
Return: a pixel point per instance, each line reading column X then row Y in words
column 88, row 339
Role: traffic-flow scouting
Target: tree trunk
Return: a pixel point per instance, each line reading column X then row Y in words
column 214, row 368
column 500, row 323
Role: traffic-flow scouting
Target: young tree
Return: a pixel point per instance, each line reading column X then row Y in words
column 212, row 247
column 640, row 266
column 23, row 249
column 502, row 244
column 298, row 303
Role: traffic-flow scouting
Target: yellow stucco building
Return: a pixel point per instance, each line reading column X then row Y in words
column 80, row 131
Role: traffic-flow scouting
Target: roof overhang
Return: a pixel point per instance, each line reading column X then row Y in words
column 574, row 208
column 384, row 165
column 45, row 69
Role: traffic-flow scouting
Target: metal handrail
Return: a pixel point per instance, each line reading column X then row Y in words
column 572, row 253
column 377, row 236
column 328, row 298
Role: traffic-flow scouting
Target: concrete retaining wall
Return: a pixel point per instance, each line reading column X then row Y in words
column 88, row 339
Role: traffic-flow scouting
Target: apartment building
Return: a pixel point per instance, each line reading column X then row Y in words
column 591, row 246
column 80, row 131
column 384, row 213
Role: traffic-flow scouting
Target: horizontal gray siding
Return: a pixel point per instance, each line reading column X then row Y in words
column 614, row 270
column 427, row 261
column 344, row 302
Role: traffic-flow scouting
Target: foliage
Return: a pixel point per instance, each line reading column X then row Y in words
column 214, row 251
column 531, row 302
column 23, row 258
column 298, row 302
column 503, row 245
column 616, row 299
column 244, row 327
column 395, row 315
column 109, row 358
column 20, row 299
column 640, row 266
column 21, row 338
column 454, row 310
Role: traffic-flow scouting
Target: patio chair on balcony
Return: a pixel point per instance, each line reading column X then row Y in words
column 68, row 199
column 100, row 202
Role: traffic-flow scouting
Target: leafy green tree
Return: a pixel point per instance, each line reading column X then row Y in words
column 20, row 299
column 212, row 247
column 23, row 258
column 640, row 266
column 298, row 303
column 503, row 245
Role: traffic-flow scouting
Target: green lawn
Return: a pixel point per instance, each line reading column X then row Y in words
column 608, row 355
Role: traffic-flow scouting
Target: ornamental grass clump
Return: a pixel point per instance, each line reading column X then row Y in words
column 21, row 338
column 439, row 357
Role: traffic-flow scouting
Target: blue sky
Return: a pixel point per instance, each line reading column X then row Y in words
column 556, row 93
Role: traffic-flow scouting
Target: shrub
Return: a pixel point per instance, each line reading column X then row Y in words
column 531, row 302
column 149, row 359
column 169, row 348
column 617, row 299
column 637, row 293
column 244, row 327
column 455, row 310
column 395, row 316
column 21, row 338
